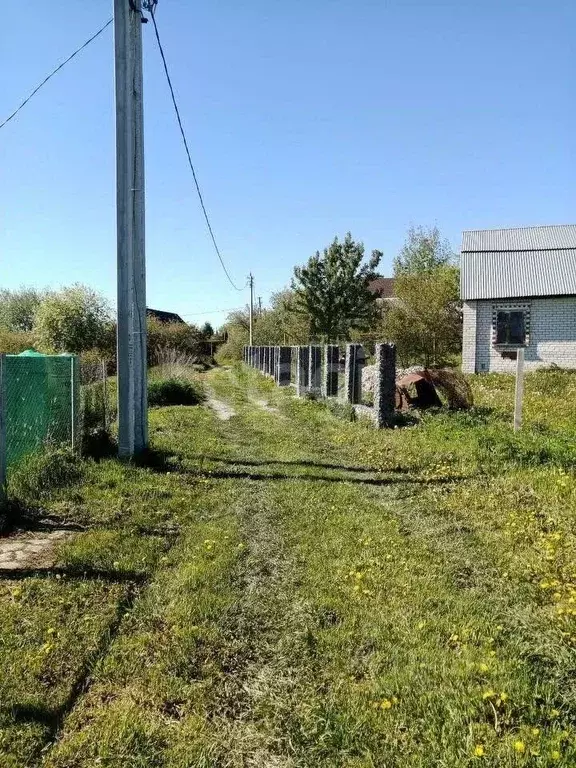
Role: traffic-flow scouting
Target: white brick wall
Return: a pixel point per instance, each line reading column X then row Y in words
column 552, row 337
column 469, row 337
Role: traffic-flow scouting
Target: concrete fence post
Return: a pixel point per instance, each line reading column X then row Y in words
column 276, row 371
column 330, row 371
column 353, row 373
column 302, row 368
column 284, row 366
column 270, row 370
column 315, row 369
column 385, row 385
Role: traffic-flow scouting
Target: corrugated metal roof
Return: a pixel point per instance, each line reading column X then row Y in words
column 511, row 263
column 522, row 239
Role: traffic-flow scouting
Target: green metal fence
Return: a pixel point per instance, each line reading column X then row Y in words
column 39, row 404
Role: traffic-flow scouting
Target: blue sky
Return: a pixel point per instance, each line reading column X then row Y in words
column 305, row 119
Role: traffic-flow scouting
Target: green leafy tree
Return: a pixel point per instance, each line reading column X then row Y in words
column 17, row 308
column 73, row 320
column 424, row 251
column 332, row 289
column 207, row 331
column 283, row 323
column 425, row 319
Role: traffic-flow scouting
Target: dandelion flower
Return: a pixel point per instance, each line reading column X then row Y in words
column 555, row 755
column 519, row 747
column 386, row 704
column 479, row 751
column 535, row 731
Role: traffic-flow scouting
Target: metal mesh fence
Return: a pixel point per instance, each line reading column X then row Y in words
column 41, row 399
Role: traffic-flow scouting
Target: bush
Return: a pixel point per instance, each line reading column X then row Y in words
column 14, row 342
column 174, row 391
column 41, row 472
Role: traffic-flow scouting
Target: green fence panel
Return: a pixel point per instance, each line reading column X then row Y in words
column 42, row 398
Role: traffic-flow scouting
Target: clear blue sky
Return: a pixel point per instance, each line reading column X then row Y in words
column 306, row 119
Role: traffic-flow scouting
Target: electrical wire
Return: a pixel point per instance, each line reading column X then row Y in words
column 210, row 311
column 184, row 139
column 58, row 68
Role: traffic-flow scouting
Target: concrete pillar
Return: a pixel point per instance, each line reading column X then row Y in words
column 275, row 371
column 270, row 370
column 315, row 370
column 353, row 373
column 302, row 370
column 330, row 370
column 284, row 366
column 385, row 385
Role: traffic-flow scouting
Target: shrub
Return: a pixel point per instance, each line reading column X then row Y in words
column 43, row 471
column 174, row 391
column 14, row 342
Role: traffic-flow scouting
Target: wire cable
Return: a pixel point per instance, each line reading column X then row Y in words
column 58, row 68
column 184, row 139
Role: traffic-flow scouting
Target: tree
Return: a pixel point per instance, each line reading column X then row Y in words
column 332, row 289
column 425, row 320
column 424, row 251
column 207, row 332
column 71, row 320
column 17, row 308
column 282, row 324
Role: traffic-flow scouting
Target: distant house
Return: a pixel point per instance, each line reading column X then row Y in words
column 518, row 288
column 383, row 287
column 163, row 317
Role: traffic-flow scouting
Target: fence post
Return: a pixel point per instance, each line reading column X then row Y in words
column 3, row 448
column 105, row 394
column 284, row 366
column 519, row 394
column 385, row 384
column 302, row 364
column 353, row 373
column 315, row 369
column 330, row 373
column 72, row 404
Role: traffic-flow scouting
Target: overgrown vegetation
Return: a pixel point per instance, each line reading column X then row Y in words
column 285, row 588
column 173, row 391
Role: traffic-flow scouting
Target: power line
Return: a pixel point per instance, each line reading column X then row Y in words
column 152, row 8
column 210, row 311
column 58, row 68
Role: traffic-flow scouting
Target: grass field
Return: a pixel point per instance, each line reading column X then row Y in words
column 288, row 590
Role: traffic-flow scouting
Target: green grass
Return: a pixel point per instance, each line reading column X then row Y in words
column 290, row 589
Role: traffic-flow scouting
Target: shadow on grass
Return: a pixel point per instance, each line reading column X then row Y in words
column 71, row 572
column 161, row 461
column 53, row 718
column 407, row 480
column 302, row 463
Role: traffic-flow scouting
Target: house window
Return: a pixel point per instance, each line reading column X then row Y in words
column 510, row 325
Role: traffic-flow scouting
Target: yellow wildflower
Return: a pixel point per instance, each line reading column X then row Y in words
column 535, row 731
column 555, row 755
column 386, row 704
column 519, row 746
column 479, row 751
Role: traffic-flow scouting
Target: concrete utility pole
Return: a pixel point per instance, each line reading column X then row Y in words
column 132, row 385
column 251, row 279
column 259, row 306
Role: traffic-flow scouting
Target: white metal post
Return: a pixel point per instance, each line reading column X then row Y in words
column 519, row 389
column 132, row 385
column 251, row 309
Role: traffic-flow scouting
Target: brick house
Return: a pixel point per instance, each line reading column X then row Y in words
column 518, row 288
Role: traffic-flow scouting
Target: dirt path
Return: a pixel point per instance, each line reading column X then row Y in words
column 223, row 410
